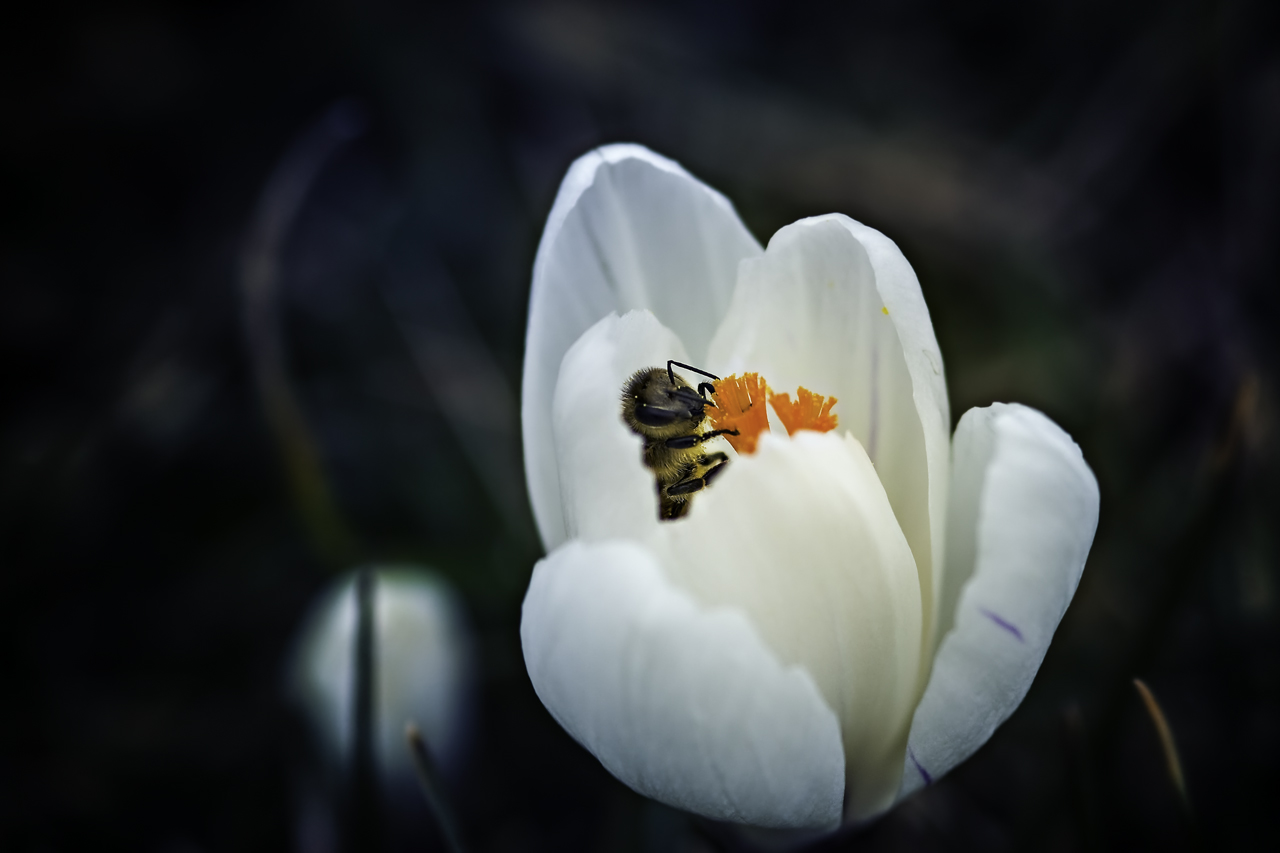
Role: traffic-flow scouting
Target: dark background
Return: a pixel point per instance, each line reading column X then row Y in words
column 1089, row 191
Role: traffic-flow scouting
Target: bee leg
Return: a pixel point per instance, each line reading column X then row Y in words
column 719, row 461
column 687, row 487
column 685, row 442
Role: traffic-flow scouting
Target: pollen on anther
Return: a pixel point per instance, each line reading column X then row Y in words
column 740, row 405
column 809, row 411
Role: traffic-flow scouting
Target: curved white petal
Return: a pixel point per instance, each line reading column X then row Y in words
column 801, row 536
column 1024, row 508
column 605, row 489
column 629, row 230
column 683, row 703
column 834, row 306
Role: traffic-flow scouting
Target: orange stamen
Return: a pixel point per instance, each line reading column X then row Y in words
column 810, row 411
column 740, row 405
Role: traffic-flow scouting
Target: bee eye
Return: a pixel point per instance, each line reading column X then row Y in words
column 655, row 416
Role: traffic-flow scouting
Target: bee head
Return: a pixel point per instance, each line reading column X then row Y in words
column 669, row 406
column 653, row 403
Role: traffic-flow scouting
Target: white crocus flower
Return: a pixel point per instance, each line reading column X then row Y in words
column 842, row 617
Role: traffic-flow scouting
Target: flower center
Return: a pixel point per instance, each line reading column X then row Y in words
column 740, row 405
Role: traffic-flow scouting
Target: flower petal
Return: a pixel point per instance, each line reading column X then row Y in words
column 628, row 230
column 1024, row 508
column 605, row 489
column 834, row 306
column 800, row 535
column 684, row 704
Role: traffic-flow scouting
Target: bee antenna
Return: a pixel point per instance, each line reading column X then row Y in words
column 672, row 376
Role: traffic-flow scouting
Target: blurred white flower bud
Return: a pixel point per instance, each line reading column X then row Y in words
column 423, row 671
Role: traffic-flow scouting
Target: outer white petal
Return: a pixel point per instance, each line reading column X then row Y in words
column 800, row 535
column 683, row 703
column 629, row 230
column 834, row 306
column 605, row 489
column 1024, row 508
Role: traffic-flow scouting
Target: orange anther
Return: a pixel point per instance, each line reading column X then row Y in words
column 740, row 405
column 809, row 411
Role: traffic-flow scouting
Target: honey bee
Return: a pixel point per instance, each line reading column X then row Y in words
column 666, row 411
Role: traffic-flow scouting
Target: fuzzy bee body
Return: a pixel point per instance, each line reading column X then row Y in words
column 669, row 414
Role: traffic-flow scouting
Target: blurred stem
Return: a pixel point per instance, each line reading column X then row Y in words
column 1172, row 762
column 364, row 827
column 278, row 208
column 432, row 789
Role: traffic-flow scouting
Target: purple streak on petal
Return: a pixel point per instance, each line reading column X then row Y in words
column 924, row 774
column 1008, row 626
